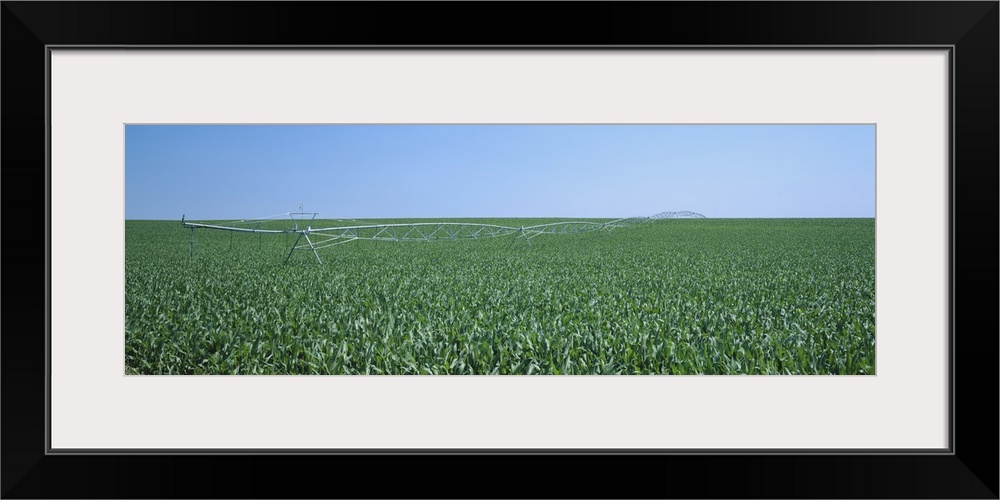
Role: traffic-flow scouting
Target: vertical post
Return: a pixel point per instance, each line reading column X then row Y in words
column 191, row 245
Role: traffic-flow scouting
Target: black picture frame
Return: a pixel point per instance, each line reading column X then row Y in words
column 968, row 470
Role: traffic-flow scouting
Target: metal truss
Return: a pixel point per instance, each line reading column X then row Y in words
column 315, row 239
column 677, row 215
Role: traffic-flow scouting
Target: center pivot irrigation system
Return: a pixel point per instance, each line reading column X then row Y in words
column 313, row 238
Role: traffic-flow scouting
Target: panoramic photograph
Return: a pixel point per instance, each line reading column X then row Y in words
column 535, row 249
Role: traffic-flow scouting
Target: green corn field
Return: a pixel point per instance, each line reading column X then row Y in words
column 682, row 297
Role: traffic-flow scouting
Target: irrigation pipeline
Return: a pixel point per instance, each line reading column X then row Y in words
column 314, row 239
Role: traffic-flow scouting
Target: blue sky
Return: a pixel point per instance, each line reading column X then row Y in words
column 409, row 171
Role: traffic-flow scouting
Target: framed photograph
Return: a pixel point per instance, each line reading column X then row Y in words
column 795, row 184
column 501, row 249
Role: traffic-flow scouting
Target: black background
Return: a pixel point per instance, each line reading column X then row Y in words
column 971, row 472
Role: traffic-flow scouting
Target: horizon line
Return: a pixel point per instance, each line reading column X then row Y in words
column 506, row 217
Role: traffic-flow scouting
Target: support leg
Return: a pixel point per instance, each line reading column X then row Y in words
column 293, row 248
column 512, row 240
column 519, row 234
column 313, row 248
